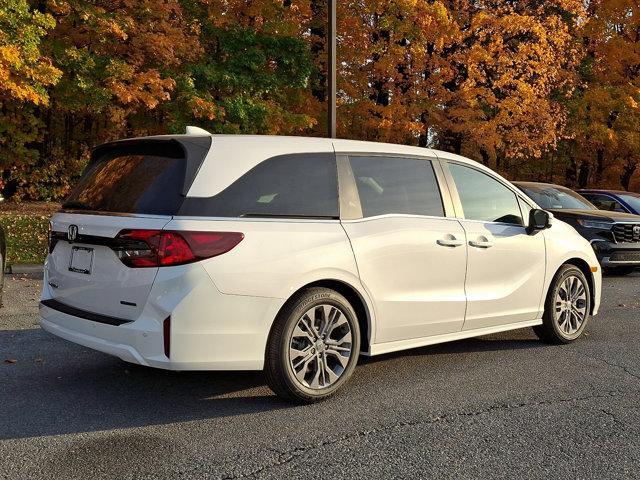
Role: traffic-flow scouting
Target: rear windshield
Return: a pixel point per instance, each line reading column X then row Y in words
column 145, row 177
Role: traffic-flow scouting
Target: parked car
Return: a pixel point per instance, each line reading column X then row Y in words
column 615, row 236
column 614, row 200
column 3, row 256
column 296, row 255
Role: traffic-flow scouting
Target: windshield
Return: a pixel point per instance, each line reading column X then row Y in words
column 552, row 197
column 632, row 199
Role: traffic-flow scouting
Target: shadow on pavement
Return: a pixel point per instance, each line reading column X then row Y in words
column 56, row 387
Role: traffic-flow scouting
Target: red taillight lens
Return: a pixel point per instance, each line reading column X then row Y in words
column 159, row 248
column 174, row 250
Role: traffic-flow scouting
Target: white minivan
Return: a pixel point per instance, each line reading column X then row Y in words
column 297, row 255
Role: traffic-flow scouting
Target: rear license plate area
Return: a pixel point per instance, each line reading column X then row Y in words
column 81, row 260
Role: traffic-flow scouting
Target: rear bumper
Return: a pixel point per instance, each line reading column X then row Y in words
column 209, row 330
column 617, row 254
column 65, row 326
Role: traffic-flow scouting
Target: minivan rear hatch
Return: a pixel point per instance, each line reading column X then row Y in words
column 129, row 185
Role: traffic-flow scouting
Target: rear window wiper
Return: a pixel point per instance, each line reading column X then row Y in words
column 281, row 215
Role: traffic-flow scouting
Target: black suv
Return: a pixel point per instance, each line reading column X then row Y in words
column 614, row 236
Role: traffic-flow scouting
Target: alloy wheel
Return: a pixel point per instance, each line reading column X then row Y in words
column 570, row 305
column 320, row 346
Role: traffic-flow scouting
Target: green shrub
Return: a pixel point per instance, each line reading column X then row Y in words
column 26, row 237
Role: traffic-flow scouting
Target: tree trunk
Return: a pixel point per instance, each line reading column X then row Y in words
column 451, row 142
column 583, row 174
column 571, row 173
column 485, row 157
column 628, row 169
column 599, row 166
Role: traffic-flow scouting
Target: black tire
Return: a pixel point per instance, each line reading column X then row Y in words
column 619, row 271
column 550, row 330
column 278, row 369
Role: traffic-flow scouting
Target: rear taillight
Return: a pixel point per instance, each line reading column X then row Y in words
column 160, row 248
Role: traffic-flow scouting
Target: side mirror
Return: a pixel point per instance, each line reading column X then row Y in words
column 538, row 220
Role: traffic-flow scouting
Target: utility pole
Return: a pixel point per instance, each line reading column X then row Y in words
column 331, row 69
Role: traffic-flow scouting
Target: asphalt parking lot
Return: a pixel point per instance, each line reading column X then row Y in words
column 494, row 407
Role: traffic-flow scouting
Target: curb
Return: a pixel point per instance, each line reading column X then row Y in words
column 25, row 269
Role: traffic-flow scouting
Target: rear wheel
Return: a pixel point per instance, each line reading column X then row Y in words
column 313, row 346
column 567, row 307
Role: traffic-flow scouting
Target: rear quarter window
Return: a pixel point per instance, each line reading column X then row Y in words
column 295, row 185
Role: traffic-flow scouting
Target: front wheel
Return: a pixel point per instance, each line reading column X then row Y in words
column 567, row 307
column 313, row 347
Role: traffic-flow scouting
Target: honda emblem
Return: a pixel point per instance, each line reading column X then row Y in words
column 72, row 233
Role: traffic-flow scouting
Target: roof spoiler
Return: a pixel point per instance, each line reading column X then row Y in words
column 191, row 130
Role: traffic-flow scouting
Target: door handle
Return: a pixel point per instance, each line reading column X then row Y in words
column 483, row 243
column 449, row 241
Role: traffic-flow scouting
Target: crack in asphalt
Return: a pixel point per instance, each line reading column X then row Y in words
column 287, row 456
column 613, row 417
column 611, row 364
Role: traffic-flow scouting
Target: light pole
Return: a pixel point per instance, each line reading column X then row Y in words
column 331, row 70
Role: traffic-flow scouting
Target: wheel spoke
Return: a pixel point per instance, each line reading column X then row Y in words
column 343, row 360
column 299, row 357
column 302, row 372
column 315, row 381
column 562, row 320
column 331, row 314
column 346, row 338
column 338, row 348
column 300, row 333
column 308, row 324
column 330, row 375
column 576, row 321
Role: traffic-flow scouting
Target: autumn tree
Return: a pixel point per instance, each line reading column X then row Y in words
column 389, row 67
column 605, row 119
column 117, row 57
column 505, row 78
column 484, row 78
column 25, row 74
column 256, row 74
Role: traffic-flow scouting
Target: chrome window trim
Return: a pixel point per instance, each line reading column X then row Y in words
column 255, row 219
column 400, row 215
